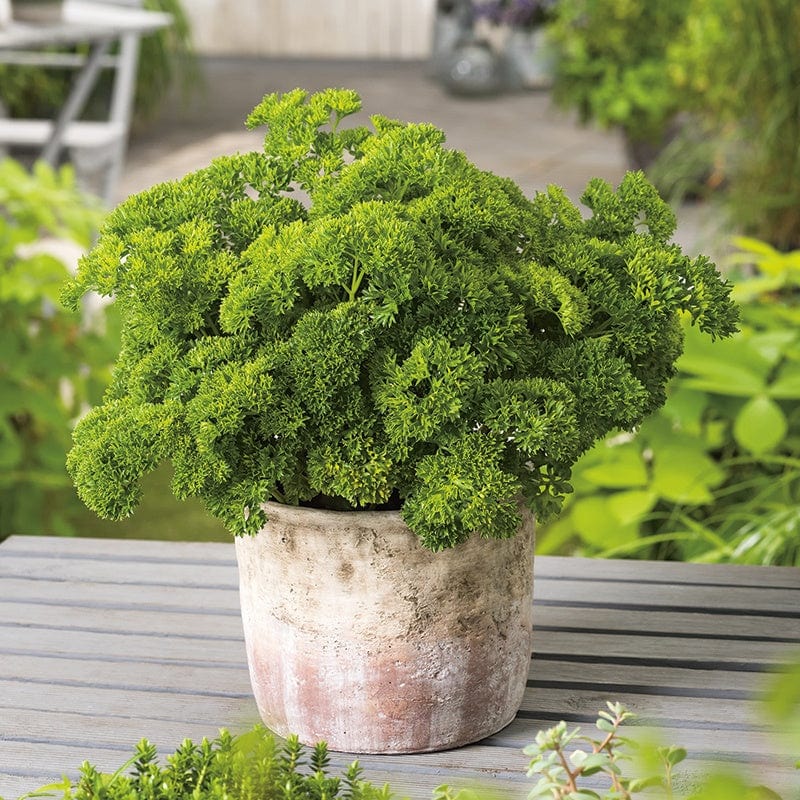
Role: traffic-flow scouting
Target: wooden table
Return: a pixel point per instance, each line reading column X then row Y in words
column 103, row 642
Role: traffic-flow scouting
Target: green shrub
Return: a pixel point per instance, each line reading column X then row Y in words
column 715, row 475
column 612, row 63
column 736, row 66
column 417, row 334
column 252, row 766
column 51, row 365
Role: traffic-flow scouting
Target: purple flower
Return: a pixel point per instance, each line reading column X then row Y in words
column 515, row 13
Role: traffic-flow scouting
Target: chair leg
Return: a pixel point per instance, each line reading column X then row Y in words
column 113, row 173
column 3, row 115
column 98, row 169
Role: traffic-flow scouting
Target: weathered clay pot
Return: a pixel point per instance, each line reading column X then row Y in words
column 359, row 636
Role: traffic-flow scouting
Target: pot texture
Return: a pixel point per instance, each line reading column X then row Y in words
column 359, row 636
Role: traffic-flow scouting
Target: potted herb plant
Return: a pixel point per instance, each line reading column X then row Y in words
column 376, row 382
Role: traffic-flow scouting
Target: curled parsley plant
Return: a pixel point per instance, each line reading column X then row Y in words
column 413, row 333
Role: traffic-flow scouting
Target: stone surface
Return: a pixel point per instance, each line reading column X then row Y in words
column 358, row 635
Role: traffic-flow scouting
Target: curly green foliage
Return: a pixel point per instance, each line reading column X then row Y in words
column 251, row 766
column 715, row 474
column 417, row 334
column 612, row 62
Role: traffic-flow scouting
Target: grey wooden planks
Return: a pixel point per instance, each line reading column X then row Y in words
column 102, row 642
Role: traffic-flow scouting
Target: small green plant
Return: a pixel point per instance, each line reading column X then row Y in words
column 252, row 766
column 417, row 335
column 52, row 363
column 571, row 765
column 612, row 64
column 565, row 759
column 715, row 474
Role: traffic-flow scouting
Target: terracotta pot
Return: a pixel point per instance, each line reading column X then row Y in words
column 359, row 636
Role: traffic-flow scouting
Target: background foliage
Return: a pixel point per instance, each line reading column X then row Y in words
column 705, row 93
column 736, row 68
column 611, row 63
column 51, row 364
column 715, row 474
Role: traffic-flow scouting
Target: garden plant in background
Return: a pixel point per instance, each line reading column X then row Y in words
column 715, row 475
column 736, row 67
column 705, row 94
column 611, row 66
column 52, row 365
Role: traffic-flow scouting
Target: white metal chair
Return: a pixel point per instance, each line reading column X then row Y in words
column 97, row 148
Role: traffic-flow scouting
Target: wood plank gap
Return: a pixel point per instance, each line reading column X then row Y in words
column 41, row 626
column 599, row 578
column 753, row 745
column 119, row 559
column 643, row 721
column 120, row 549
column 667, row 635
column 717, row 610
column 152, row 724
column 132, row 687
column 106, row 606
column 84, row 745
column 657, row 661
column 648, row 689
column 44, row 578
column 105, row 658
column 667, row 572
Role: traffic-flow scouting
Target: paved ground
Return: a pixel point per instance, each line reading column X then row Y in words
column 519, row 135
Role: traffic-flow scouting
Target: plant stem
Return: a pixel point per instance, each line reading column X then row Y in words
column 358, row 276
column 571, row 785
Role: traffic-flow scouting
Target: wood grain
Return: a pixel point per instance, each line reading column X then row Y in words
column 103, row 642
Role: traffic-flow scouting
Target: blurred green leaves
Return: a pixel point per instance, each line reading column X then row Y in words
column 611, row 64
column 52, row 363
